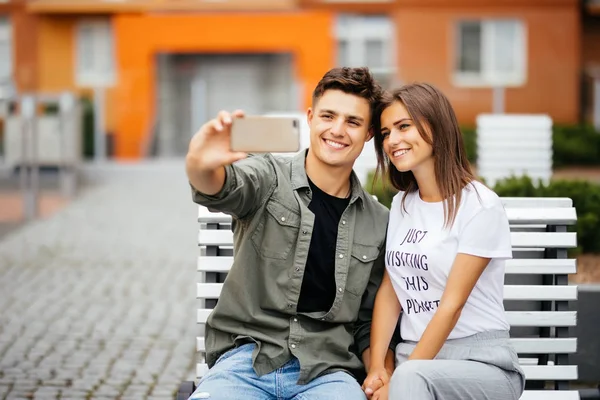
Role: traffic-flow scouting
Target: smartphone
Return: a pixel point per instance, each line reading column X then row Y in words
column 262, row 134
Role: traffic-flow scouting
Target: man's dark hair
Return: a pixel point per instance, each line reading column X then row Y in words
column 357, row 81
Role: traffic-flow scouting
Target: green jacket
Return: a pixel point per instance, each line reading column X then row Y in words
column 268, row 198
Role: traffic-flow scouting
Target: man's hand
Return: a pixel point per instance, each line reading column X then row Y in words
column 209, row 151
column 382, row 393
column 376, row 379
column 210, row 148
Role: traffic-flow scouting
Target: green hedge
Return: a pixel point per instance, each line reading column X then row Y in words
column 585, row 196
column 575, row 145
column 470, row 139
column 87, row 130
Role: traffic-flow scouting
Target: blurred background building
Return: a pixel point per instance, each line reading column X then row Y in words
column 157, row 69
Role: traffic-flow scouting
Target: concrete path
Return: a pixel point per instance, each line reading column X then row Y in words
column 98, row 301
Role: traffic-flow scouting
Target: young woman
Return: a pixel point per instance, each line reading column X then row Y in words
column 448, row 237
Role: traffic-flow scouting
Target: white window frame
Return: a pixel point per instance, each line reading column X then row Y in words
column 6, row 35
column 488, row 77
column 356, row 30
column 97, row 77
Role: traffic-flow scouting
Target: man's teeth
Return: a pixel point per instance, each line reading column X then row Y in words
column 335, row 144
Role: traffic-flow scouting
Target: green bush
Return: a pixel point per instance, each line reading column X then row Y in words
column 575, row 145
column 380, row 188
column 470, row 139
column 585, row 196
column 87, row 130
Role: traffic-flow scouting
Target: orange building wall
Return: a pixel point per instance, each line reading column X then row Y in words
column 25, row 62
column 56, row 55
column 427, row 45
column 307, row 35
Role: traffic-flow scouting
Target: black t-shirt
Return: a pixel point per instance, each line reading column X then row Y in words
column 318, row 284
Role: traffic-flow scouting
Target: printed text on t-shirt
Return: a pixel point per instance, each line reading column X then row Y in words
column 413, row 283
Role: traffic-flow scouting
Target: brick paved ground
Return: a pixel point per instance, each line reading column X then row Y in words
column 97, row 302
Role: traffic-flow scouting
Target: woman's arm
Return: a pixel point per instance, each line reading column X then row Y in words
column 385, row 318
column 386, row 312
column 463, row 276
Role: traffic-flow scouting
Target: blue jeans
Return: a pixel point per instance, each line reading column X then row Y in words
column 233, row 377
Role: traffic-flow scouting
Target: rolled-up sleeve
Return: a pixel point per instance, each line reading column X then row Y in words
column 247, row 185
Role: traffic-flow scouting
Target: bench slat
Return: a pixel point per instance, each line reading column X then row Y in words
column 548, row 216
column 510, row 203
column 521, row 345
column 550, row 395
column 532, row 372
column 214, row 263
column 515, row 318
column 202, row 315
column 542, row 318
column 541, row 266
column 539, row 202
column 540, row 292
column 205, row 216
column 511, row 292
column 208, row 290
column 515, row 266
column 544, row 345
column 215, row 237
column 564, row 240
column 549, row 240
column 550, row 372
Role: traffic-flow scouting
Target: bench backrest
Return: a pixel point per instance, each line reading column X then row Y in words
column 537, row 293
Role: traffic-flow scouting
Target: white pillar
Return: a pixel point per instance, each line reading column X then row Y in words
column 498, row 102
column 29, row 158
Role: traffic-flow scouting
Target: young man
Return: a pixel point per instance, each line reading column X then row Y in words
column 295, row 310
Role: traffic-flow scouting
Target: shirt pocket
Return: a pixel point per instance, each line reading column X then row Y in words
column 276, row 234
column 361, row 264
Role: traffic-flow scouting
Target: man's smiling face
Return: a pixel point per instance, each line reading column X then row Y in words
column 339, row 127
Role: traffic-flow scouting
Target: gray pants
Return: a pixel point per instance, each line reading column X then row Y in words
column 480, row 367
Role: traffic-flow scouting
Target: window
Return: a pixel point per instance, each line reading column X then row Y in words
column 5, row 51
column 367, row 41
column 95, row 53
column 490, row 53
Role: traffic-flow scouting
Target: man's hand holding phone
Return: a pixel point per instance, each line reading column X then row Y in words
column 229, row 138
column 210, row 148
column 210, row 151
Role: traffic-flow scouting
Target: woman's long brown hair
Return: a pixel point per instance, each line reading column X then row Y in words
column 436, row 121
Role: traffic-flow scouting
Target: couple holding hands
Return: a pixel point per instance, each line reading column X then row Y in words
column 333, row 296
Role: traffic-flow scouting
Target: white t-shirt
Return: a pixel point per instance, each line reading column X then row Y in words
column 420, row 253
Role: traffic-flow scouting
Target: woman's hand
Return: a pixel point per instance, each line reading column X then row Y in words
column 382, row 393
column 377, row 379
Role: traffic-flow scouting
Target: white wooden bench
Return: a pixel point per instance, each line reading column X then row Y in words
column 537, row 293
